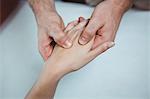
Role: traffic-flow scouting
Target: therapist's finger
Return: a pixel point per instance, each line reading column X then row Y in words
column 77, row 30
column 81, row 19
column 92, row 27
column 71, row 25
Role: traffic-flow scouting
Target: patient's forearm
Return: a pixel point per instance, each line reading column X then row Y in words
column 45, row 86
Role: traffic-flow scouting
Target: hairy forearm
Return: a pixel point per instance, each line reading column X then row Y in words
column 122, row 5
column 42, row 6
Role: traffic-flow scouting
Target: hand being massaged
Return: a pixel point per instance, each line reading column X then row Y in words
column 63, row 61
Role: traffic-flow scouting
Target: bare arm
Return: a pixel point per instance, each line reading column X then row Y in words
column 42, row 7
column 64, row 61
column 50, row 26
column 45, row 86
column 123, row 5
column 104, row 21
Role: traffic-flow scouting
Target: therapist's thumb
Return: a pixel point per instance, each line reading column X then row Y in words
column 60, row 37
column 90, row 30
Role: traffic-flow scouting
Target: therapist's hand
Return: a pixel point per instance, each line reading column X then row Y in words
column 50, row 28
column 64, row 61
column 104, row 21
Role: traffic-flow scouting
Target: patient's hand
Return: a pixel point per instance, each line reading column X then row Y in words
column 63, row 60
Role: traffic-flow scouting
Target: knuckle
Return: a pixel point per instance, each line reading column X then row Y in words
column 88, row 34
column 59, row 41
column 59, row 36
column 105, row 47
column 75, row 68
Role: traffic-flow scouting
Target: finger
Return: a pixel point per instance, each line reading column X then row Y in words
column 98, row 41
column 80, row 25
column 100, row 49
column 60, row 37
column 102, row 37
column 71, row 25
column 45, row 49
column 75, row 35
column 81, row 19
column 90, row 31
column 77, row 30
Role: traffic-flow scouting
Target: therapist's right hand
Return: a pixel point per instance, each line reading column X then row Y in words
column 50, row 28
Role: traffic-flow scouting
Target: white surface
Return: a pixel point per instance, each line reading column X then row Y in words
column 120, row 73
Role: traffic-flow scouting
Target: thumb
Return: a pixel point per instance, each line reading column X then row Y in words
column 100, row 49
column 45, row 48
column 60, row 37
column 89, row 31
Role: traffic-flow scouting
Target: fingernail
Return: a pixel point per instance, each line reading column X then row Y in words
column 111, row 44
column 82, row 40
column 67, row 44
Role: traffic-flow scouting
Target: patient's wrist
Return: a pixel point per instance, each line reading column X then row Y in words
column 51, row 69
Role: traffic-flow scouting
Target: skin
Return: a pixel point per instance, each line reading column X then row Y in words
column 105, row 21
column 103, row 24
column 64, row 61
column 50, row 26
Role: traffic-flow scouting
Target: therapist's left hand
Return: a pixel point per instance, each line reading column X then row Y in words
column 103, row 23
